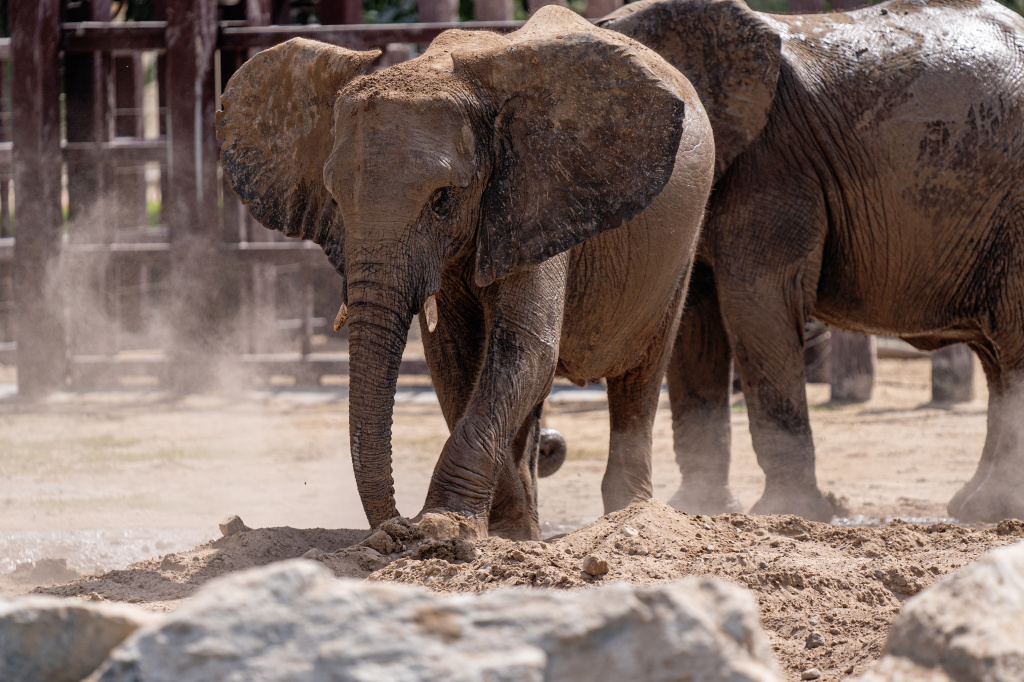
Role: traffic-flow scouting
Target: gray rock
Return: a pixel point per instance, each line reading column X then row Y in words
column 293, row 621
column 968, row 627
column 810, row 674
column 814, row 640
column 45, row 638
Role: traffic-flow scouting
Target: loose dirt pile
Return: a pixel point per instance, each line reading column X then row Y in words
column 827, row 593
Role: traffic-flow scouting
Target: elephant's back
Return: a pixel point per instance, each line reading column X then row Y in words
column 919, row 113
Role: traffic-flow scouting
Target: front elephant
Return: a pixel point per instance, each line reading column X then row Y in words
column 868, row 172
column 480, row 185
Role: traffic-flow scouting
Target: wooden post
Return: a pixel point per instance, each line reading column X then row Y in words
column 5, row 136
column 39, row 328
column 334, row 12
column 599, row 8
column 853, row 366
column 534, row 5
column 395, row 53
column 129, row 182
column 953, row 374
column 196, row 253
column 438, row 11
column 492, row 10
column 806, row 6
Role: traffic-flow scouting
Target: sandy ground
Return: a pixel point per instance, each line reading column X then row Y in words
column 94, row 482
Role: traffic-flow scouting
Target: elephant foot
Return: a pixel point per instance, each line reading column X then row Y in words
column 552, row 452
column 806, row 502
column 710, row 500
column 442, row 524
column 990, row 502
column 515, row 528
column 956, row 505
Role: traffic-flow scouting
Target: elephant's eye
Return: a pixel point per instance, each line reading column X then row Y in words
column 442, row 201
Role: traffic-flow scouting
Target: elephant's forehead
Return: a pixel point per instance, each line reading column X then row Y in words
column 400, row 149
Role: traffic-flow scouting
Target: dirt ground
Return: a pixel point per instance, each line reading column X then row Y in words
column 96, row 482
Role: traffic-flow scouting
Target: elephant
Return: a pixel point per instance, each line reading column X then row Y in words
column 868, row 172
column 536, row 197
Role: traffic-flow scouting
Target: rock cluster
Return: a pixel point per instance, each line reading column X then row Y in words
column 969, row 627
column 294, row 620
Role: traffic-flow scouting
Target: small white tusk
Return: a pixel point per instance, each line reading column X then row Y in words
column 339, row 321
column 430, row 310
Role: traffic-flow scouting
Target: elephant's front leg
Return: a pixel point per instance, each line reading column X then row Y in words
column 700, row 389
column 487, row 468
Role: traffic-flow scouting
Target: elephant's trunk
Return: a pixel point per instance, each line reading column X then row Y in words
column 379, row 319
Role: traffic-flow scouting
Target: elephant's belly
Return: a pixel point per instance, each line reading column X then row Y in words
column 623, row 293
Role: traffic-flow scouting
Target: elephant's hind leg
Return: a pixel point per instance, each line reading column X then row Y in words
column 993, row 375
column 632, row 405
column 766, row 323
column 699, row 386
column 996, row 491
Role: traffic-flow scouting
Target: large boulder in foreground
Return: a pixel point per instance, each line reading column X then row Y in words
column 969, row 627
column 57, row 640
column 294, row 620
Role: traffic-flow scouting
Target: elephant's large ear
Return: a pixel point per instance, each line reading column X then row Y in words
column 728, row 52
column 585, row 136
column 275, row 134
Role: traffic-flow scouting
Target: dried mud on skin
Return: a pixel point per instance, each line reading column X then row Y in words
column 827, row 593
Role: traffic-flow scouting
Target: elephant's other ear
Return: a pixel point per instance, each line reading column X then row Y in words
column 275, row 134
column 728, row 52
column 585, row 136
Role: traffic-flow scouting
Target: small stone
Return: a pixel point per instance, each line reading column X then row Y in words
column 231, row 525
column 595, row 565
column 630, row 532
column 709, row 548
column 814, row 640
column 313, row 553
column 170, row 563
column 810, row 674
column 466, row 550
column 763, row 565
column 382, row 542
column 813, row 620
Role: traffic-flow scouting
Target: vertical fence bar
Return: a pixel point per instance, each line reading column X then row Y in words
column 436, row 11
column 854, row 364
column 196, row 254
column 39, row 329
column 598, row 8
column 953, row 374
column 341, row 12
column 492, row 10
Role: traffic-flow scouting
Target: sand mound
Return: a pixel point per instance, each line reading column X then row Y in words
column 159, row 583
column 827, row 593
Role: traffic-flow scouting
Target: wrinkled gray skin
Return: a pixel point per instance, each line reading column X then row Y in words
column 869, row 174
column 488, row 173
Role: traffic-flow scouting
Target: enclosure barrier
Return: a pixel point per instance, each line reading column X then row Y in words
column 104, row 295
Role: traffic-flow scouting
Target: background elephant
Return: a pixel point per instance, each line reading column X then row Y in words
column 868, row 172
column 479, row 184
